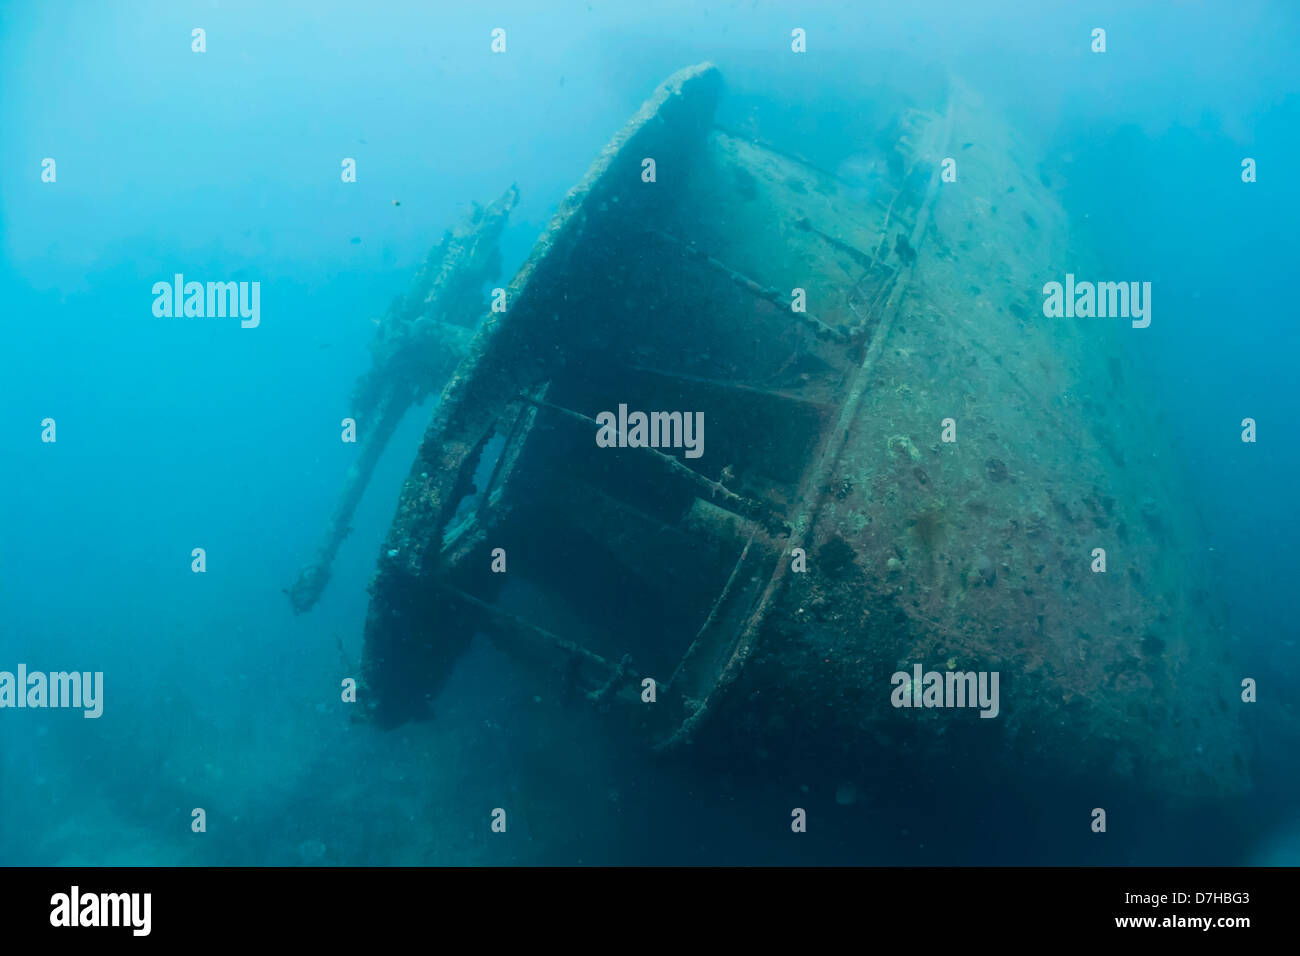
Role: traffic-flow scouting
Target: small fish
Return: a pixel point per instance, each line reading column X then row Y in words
column 397, row 202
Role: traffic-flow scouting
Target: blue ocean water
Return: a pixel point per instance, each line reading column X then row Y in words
column 174, row 435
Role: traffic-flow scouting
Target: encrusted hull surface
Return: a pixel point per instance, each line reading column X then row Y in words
column 831, row 534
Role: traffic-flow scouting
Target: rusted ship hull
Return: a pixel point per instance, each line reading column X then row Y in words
column 823, row 438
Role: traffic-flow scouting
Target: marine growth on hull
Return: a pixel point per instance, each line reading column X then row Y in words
column 752, row 437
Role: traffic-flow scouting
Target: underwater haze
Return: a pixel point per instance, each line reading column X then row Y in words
column 130, row 438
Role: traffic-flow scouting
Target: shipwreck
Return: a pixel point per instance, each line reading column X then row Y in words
column 917, row 467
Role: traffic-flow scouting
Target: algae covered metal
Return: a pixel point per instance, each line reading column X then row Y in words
column 419, row 340
column 870, row 454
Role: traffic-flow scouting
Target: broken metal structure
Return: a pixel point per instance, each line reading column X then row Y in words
column 420, row 339
column 823, row 441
